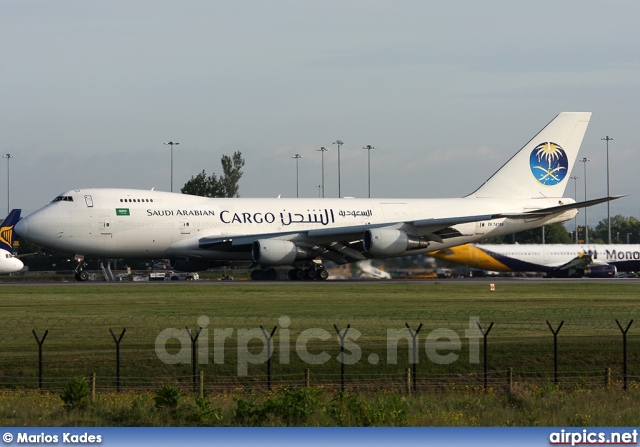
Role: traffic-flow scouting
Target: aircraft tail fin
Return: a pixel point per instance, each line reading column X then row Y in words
column 543, row 166
column 6, row 231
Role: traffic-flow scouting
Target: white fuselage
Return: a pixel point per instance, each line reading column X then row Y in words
column 117, row 223
column 545, row 257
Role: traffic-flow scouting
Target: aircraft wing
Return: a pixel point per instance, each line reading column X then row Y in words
column 345, row 244
column 579, row 262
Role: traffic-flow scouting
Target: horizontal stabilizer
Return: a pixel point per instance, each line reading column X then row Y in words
column 556, row 209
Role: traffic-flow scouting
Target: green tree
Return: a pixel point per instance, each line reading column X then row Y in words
column 553, row 234
column 203, row 185
column 231, row 168
column 213, row 186
column 620, row 227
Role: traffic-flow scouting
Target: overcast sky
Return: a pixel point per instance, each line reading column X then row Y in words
column 446, row 92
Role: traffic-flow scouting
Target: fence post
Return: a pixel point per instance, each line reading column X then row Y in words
column 93, row 387
column 193, row 356
column 268, row 337
column 201, row 384
column 484, row 336
column 117, row 340
column 555, row 350
column 510, row 379
column 342, row 337
column 408, row 382
column 307, row 377
column 414, row 360
column 607, row 378
column 624, row 351
column 40, row 342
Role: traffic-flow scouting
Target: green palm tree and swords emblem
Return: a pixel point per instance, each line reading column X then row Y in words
column 555, row 168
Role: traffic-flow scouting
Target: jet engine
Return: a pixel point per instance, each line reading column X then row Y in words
column 189, row 265
column 387, row 242
column 277, row 252
column 601, row 271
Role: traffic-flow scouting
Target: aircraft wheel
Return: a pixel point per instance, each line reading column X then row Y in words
column 256, row 275
column 310, row 274
column 82, row 276
column 271, row 274
column 323, row 274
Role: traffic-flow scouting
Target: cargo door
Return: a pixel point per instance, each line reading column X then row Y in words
column 185, row 226
column 105, row 224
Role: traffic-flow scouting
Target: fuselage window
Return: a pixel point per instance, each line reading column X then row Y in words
column 62, row 199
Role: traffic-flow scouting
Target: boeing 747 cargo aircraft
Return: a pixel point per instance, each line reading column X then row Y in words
column 198, row 232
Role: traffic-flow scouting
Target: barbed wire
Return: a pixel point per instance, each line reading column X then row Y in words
column 95, row 327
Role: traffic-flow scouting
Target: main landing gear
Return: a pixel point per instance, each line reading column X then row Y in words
column 308, row 273
column 316, row 272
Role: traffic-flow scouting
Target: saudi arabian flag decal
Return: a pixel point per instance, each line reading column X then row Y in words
column 122, row 212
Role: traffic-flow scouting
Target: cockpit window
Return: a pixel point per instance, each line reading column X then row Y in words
column 62, row 199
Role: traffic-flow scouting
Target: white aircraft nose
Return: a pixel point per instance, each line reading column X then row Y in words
column 22, row 228
column 18, row 264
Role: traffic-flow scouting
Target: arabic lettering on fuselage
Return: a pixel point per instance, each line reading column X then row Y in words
column 322, row 216
column 361, row 213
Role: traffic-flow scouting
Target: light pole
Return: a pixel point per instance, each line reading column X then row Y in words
column 297, row 157
column 368, row 148
column 8, row 157
column 172, row 143
column 339, row 143
column 322, row 150
column 586, row 228
column 575, row 197
column 607, row 139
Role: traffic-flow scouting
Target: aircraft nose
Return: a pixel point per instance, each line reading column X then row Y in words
column 22, row 228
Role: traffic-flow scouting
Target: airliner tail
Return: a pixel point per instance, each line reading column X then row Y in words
column 6, row 231
column 543, row 166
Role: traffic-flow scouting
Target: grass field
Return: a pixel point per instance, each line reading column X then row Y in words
column 79, row 316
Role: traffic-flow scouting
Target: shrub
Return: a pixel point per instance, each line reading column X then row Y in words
column 168, row 397
column 283, row 407
column 204, row 413
column 76, row 393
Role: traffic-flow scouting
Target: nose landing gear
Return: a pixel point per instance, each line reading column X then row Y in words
column 80, row 274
